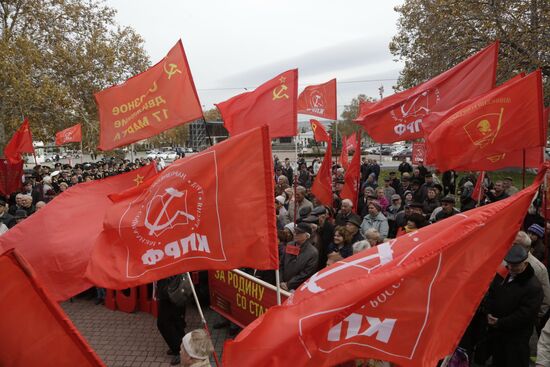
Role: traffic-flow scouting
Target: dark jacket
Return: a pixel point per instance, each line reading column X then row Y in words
column 344, row 251
column 516, row 304
column 405, row 167
column 7, row 219
column 297, row 269
column 429, row 205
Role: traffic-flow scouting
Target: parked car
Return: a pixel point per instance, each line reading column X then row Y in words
column 152, row 154
column 405, row 153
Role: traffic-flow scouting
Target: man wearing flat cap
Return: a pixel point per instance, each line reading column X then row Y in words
column 299, row 258
column 446, row 210
column 512, row 305
column 353, row 225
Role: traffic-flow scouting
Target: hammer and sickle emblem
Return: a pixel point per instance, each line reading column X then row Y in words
column 173, row 70
column 157, row 226
column 278, row 92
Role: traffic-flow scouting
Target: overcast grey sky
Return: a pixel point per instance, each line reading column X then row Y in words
column 233, row 44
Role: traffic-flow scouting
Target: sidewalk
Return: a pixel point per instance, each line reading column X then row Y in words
column 123, row 339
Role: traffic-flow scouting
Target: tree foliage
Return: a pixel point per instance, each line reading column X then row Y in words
column 346, row 126
column 54, row 55
column 433, row 36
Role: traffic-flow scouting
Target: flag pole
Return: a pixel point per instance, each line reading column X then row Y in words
column 523, row 171
column 278, row 284
column 206, row 130
column 481, row 177
column 202, row 315
column 381, row 92
column 81, row 152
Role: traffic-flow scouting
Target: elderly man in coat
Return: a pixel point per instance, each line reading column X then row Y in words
column 512, row 307
column 299, row 259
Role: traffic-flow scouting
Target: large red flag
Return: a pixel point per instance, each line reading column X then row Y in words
column 21, row 142
column 34, row 330
column 400, row 116
column 353, row 172
column 158, row 99
column 272, row 103
column 487, row 126
column 71, row 134
column 214, row 210
column 320, row 134
column 533, row 159
column 406, row 301
column 319, row 100
column 58, row 239
column 11, row 175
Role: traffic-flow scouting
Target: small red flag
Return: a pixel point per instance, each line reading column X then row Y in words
column 418, row 152
column 353, row 172
column 478, row 194
column 21, row 142
column 34, row 330
column 322, row 185
column 162, row 97
column 400, row 116
column 272, row 103
column 487, row 126
column 71, row 134
column 10, row 177
column 195, row 215
column 319, row 100
column 407, row 301
column 58, row 239
column 320, row 134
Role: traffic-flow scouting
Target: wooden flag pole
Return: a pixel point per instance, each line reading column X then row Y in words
column 202, row 316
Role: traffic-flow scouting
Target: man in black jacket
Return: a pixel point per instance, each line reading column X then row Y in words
column 171, row 319
column 512, row 307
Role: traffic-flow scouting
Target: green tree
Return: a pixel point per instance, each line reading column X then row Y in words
column 212, row 114
column 54, row 55
column 433, row 36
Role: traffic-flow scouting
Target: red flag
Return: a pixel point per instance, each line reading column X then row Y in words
column 344, row 154
column 533, row 159
column 322, row 185
column 34, row 330
column 488, row 125
column 162, row 97
column 406, row 301
column 351, row 177
column 214, row 210
column 400, row 116
column 478, row 194
column 418, row 152
column 21, row 142
column 10, row 177
column 272, row 103
column 71, row 134
column 319, row 132
column 319, row 100
column 58, row 239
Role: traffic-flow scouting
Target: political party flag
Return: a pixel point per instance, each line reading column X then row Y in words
column 58, row 239
column 162, row 97
column 418, row 152
column 71, row 134
column 533, row 159
column 320, row 134
column 487, row 126
column 319, row 100
column 352, row 174
column 478, row 194
column 401, row 115
column 21, row 142
column 406, row 301
column 34, row 330
column 322, row 185
column 272, row 103
column 11, row 175
column 213, row 210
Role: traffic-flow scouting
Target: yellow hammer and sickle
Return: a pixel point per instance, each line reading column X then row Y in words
column 278, row 93
column 173, row 70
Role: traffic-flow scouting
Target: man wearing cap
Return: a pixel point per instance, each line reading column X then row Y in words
column 388, row 189
column 512, row 305
column 6, row 218
column 391, row 213
column 299, row 259
column 375, row 219
column 509, row 187
column 404, row 167
column 536, row 234
column 446, row 210
column 353, row 225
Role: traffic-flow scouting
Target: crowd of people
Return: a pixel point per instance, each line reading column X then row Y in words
column 390, row 204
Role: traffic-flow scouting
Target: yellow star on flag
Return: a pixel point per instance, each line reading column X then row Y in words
column 282, row 79
column 138, row 180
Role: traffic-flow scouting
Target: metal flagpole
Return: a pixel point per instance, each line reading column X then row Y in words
column 202, row 315
column 81, row 152
column 278, row 284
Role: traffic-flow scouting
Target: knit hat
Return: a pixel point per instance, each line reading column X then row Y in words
column 536, row 229
column 280, row 199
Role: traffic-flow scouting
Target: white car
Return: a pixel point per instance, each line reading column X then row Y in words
column 167, row 155
column 153, row 154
